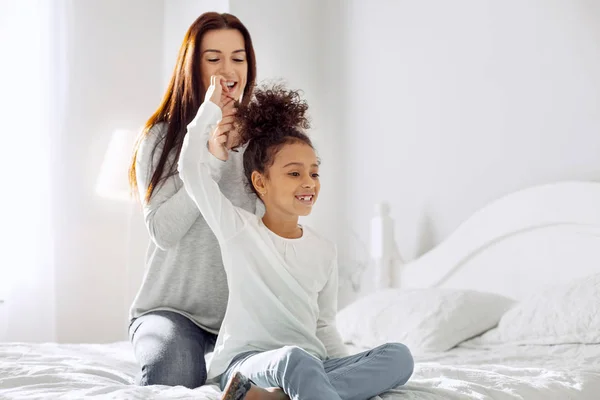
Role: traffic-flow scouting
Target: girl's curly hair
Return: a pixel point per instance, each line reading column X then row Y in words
column 274, row 117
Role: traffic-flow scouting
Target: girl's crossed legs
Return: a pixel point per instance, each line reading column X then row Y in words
column 304, row 377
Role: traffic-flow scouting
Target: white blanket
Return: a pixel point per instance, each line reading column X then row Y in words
column 50, row 371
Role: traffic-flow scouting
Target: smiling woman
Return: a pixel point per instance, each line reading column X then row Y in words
column 181, row 302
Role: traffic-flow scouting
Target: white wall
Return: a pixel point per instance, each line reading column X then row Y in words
column 453, row 104
column 114, row 60
column 27, row 82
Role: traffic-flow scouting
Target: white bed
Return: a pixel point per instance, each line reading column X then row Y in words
column 52, row 371
column 504, row 250
column 537, row 249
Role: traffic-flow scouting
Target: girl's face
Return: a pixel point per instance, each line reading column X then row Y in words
column 292, row 185
column 223, row 53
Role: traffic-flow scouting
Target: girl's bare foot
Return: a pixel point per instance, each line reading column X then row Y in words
column 239, row 387
column 258, row 393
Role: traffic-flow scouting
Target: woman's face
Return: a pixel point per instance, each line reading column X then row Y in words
column 223, row 53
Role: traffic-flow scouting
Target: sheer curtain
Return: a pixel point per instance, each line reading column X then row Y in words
column 31, row 77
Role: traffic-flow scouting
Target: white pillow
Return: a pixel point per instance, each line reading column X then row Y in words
column 425, row 320
column 567, row 313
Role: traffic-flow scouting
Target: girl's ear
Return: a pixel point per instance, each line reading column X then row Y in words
column 259, row 183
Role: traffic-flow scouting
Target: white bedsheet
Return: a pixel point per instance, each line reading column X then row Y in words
column 49, row 371
column 506, row 373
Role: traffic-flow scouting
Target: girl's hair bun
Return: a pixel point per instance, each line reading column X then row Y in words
column 273, row 111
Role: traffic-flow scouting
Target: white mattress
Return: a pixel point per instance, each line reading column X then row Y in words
column 36, row 371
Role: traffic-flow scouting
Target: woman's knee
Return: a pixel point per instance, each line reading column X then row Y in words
column 169, row 352
column 179, row 363
column 402, row 362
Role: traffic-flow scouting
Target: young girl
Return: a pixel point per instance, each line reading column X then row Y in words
column 279, row 328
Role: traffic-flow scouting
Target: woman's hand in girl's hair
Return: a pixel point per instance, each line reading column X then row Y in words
column 224, row 136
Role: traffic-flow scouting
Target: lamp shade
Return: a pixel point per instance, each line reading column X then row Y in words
column 113, row 182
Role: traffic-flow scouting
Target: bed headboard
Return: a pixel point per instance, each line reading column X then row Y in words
column 526, row 240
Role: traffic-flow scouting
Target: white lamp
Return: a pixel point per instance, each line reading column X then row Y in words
column 113, row 184
column 113, row 181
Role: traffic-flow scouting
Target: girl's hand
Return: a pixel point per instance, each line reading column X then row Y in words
column 216, row 90
column 224, row 136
